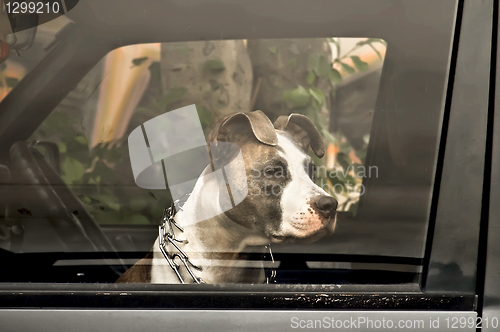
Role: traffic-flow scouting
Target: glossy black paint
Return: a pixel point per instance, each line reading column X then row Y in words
column 227, row 297
column 453, row 256
column 490, row 290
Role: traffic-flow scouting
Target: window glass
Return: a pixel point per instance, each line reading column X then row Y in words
column 325, row 79
column 21, row 52
column 331, row 83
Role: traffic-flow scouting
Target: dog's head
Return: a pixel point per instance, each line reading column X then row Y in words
column 283, row 202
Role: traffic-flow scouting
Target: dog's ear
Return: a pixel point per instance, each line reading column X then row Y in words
column 235, row 127
column 303, row 131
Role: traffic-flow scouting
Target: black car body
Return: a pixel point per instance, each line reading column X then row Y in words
column 434, row 131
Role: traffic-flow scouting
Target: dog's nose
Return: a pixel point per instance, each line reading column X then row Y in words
column 327, row 206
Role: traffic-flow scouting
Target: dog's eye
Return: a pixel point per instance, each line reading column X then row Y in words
column 275, row 171
column 271, row 170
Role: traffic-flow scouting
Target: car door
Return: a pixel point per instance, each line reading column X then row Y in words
column 406, row 257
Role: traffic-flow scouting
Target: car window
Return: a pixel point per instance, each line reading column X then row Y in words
column 333, row 82
column 325, row 79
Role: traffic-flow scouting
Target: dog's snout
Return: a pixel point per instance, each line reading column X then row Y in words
column 327, row 206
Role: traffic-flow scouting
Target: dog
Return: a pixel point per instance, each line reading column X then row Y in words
column 283, row 204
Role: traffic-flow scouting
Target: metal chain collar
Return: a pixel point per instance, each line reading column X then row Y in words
column 167, row 236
